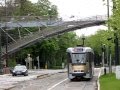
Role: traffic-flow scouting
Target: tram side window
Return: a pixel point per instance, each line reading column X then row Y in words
column 69, row 58
column 89, row 57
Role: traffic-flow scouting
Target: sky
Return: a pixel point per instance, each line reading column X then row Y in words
column 81, row 9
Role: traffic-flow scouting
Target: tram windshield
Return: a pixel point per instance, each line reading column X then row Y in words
column 78, row 58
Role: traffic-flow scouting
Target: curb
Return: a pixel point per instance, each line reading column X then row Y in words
column 98, row 83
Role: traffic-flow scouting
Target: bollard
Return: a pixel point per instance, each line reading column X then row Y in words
column 104, row 71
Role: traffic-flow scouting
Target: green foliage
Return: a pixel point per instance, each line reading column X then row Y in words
column 25, row 7
column 11, row 62
column 54, row 50
column 96, row 41
column 115, row 18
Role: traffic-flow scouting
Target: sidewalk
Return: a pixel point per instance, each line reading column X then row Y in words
column 7, row 81
column 107, row 69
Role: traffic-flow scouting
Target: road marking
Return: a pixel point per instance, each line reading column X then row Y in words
column 57, row 84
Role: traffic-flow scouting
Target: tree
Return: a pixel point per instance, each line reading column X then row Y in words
column 115, row 18
column 96, row 42
column 52, row 51
column 25, row 7
column 44, row 8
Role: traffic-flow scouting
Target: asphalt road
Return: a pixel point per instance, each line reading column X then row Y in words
column 57, row 81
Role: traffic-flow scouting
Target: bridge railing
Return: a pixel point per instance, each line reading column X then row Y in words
column 33, row 22
column 97, row 17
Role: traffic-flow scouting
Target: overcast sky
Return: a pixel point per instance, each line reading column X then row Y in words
column 80, row 9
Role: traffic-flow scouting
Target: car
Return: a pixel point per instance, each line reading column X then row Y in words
column 20, row 70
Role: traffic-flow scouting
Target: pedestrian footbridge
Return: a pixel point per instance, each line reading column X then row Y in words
column 52, row 28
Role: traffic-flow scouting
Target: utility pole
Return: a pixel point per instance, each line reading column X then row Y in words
column 109, row 55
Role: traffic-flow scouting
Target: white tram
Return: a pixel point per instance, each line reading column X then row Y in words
column 80, row 62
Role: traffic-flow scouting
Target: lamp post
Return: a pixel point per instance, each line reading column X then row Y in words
column 109, row 55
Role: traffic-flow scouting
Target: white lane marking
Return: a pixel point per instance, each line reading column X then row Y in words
column 57, row 84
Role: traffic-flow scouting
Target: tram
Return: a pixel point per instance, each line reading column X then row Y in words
column 80, row 62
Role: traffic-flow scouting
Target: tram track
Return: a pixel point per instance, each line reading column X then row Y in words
column 84, row 86
column 57, row 81
column 88, row 83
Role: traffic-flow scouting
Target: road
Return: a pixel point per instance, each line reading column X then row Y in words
column 58, row 81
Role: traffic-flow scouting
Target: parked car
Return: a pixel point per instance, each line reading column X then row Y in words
column 20, row 70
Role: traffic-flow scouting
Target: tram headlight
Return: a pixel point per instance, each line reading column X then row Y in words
column 82, row 70
column 75, row 70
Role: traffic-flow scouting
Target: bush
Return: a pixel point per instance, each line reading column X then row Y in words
column 11, row 62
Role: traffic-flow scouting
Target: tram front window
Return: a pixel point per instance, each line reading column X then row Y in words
column 78, row 58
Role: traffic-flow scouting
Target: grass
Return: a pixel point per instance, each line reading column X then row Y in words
column 109, row 82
